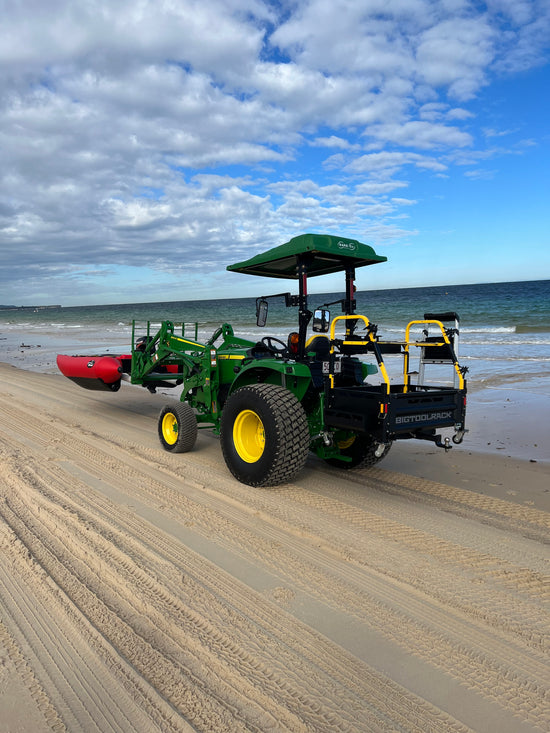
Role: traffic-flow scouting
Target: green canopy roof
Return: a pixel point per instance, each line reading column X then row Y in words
column 322, row 252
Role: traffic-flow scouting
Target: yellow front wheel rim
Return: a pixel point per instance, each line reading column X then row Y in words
column 170, row 428
column 249, row 436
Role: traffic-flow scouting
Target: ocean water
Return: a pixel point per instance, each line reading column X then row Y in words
column 504, row 328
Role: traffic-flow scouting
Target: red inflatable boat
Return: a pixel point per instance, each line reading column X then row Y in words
column 93, row 372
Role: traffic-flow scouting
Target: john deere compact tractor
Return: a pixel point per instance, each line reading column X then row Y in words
column 324, row 389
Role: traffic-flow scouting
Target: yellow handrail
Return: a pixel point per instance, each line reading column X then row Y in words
column 361, row 342
column 348, row 318
column 446, row 341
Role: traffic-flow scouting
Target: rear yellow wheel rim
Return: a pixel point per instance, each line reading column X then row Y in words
column 170, row 428
column 347, row 443
column 249, row 436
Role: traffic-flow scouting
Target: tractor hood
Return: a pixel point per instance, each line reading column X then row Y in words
column 322, row 254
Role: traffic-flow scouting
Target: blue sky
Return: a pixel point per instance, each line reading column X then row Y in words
column 145, row 146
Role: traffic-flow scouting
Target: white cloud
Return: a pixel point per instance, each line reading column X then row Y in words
column 455, row 54
column 377, row 188
column 433, row 111
column 458, row 113
column 334, row 141
column 480, row 175
column 388, row 163
column 113, row 36
column 437, row 111
column 403, row 202
column 421, row 134
column 490, row 132
column 520, row 12
column 342, row 37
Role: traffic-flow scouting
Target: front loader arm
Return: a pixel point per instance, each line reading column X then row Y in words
column 166, row 356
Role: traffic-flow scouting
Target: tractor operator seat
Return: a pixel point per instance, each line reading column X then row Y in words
column 318, row 345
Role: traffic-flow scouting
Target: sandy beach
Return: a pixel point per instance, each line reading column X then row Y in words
column 144, row 591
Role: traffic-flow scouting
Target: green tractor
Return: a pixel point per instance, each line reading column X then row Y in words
column 273, row 401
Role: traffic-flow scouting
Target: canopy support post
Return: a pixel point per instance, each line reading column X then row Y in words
column 304, row 315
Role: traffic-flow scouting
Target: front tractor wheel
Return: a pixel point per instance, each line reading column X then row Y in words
column 362, row 452
column 264, row 435
column 177, row 427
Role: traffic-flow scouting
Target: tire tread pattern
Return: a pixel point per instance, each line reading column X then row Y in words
column 187, row 427
column 291, row 435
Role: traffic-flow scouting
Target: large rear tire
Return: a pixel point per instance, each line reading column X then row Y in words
column 362, row 450
column 177, row 428
column 264, row 435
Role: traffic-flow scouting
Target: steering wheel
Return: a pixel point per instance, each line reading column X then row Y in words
column 274, row 344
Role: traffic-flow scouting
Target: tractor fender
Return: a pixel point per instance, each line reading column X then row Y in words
column 289, row 374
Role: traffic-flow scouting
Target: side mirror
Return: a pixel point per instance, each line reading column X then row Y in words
column 321, row 320
column 261, row 312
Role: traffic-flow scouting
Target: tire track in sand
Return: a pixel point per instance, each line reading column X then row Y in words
column 391, row 698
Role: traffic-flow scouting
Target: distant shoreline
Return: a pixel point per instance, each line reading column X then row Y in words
column 33, row 308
